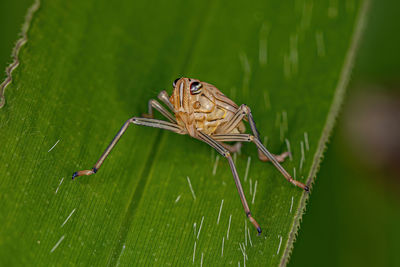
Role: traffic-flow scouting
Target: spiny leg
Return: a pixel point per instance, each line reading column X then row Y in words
column 220, row 149
column 154, row 104
column 135, row 120
column 260, row 146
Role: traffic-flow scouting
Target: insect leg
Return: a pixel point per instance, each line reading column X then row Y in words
column 220, row 149
column 233, row 137
column 278, row 166
column 232, row 148
column 139, row 121
column 245, row 138
column 261, row 147
column 163, row 96
column 241, row 114
column 271, row 157
column 235, row 120
column 280, row 158
column 154, row 104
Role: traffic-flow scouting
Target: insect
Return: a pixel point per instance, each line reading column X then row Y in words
column 200, row 110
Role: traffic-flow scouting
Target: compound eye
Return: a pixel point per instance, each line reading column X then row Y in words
column 195, row 88
column 174, row 83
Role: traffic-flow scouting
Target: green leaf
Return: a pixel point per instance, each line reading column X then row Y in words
column 89, row 66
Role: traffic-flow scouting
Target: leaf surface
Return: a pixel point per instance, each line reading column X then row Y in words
column 89, row 66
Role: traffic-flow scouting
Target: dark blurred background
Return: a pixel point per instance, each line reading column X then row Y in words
column 353, row 218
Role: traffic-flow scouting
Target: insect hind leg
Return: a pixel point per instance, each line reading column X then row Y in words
column 263, row 149
column 267, row 154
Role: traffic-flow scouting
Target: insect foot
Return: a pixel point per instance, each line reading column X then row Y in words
column 85, row 172
column 301, row 185
column 254, row 222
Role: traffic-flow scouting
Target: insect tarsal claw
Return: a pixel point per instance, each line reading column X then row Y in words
column 259, row 230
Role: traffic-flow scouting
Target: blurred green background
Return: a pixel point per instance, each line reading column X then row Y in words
column 353, row 216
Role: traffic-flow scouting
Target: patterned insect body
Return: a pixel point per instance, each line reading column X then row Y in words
column 202, row 111
column 200, row 106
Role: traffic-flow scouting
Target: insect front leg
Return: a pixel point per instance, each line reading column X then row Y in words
column 220, row 149
column 163, row 96
column 235, row 120
column 154, row 104
column 135, row 120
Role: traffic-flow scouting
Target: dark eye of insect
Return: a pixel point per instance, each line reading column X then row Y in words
column 195, row 88
column 174, row 83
